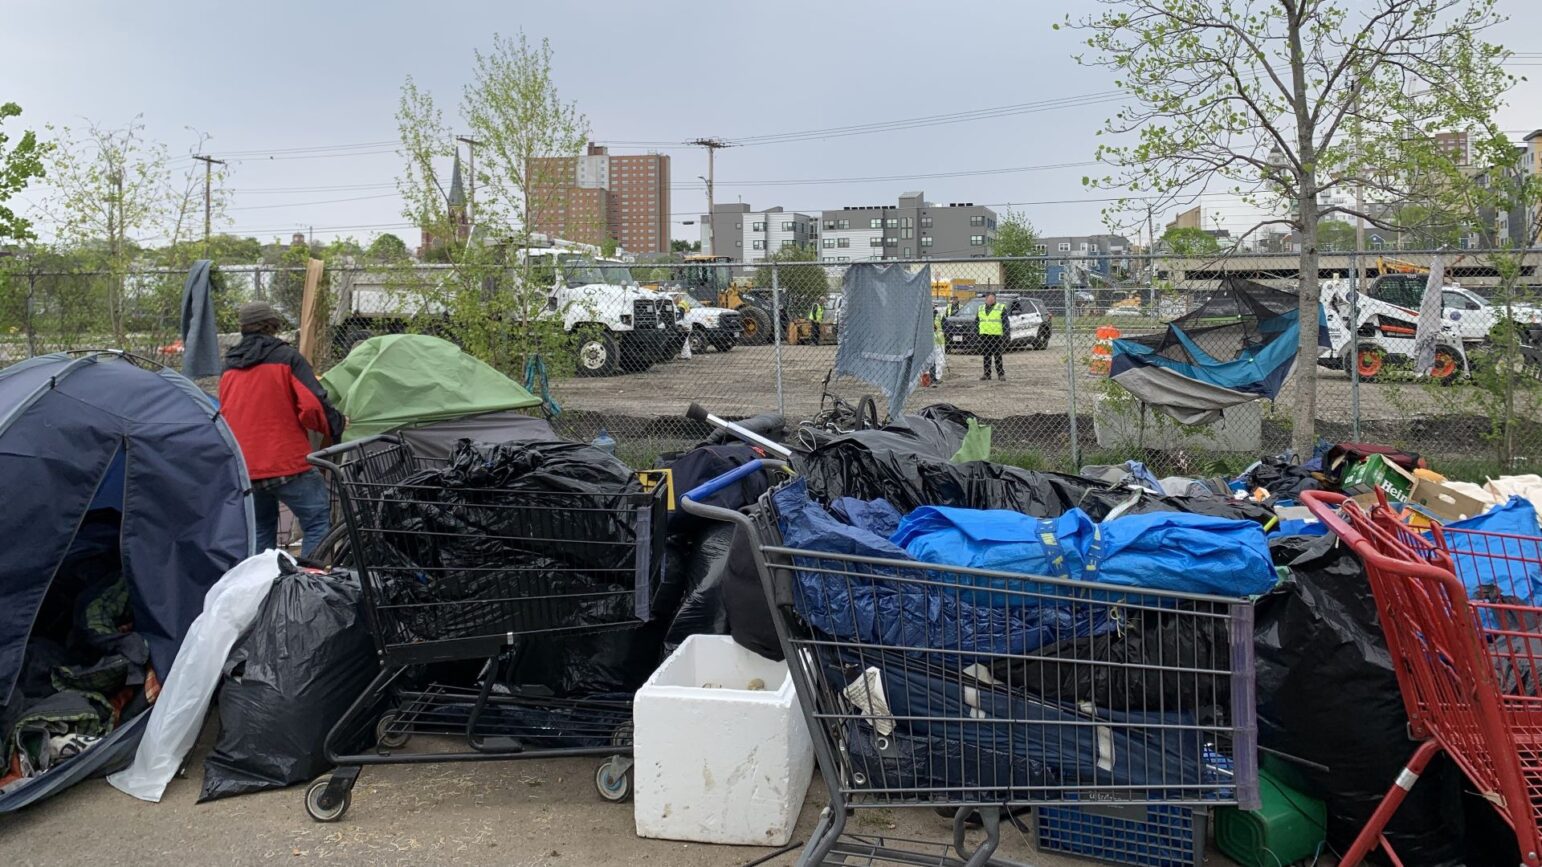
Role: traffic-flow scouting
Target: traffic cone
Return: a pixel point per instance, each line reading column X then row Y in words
column 1103, row 350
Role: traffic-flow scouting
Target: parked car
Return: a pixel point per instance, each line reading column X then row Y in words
column 706, row 326
column 1028, row 324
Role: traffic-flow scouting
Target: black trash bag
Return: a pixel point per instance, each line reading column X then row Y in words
column 1327, row 693
column 744, row 599
column 1099, row 502
column 705, row 463
column 1282, row 479
column 305, row 659
column 1142, row 656
column 613, row 662
column 470, row 539
column 936, row 431
column 848, row 468
column 703, row 612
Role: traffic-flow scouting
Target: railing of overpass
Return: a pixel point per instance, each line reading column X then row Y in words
column 1056, row 408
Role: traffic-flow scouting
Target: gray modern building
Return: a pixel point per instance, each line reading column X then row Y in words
column 746, row 235
column 912, row 228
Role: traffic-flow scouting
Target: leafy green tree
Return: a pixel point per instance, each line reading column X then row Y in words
column 493, row 300
column 1428, row 225
column 802, row 285
column 1015, row 236
column 1336, row 236
column 608, row 247
column 1266, row 99
column 18, row 166
column 388, row 248
column 1190, row 242
column 678, row 246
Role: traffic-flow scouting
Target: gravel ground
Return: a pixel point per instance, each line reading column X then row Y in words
column 1033, row 400
column 515, row 814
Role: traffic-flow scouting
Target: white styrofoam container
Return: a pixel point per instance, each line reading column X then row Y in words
column 717, row 762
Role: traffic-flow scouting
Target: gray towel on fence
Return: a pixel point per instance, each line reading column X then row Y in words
column 886, row 328
column 200, row 337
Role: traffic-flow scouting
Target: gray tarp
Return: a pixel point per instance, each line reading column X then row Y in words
column 1187, row 401
column 435, row 440
column 200, row 337
column 886, row 328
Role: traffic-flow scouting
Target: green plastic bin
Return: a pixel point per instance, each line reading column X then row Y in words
column 1288, row 828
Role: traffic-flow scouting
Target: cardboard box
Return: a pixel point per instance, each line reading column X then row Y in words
column 1377, row 472
column 1444, row 502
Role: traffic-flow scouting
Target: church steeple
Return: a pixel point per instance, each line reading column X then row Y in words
column 457, row 199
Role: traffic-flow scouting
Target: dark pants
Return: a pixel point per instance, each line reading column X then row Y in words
column 307, row 497
column 991, row 346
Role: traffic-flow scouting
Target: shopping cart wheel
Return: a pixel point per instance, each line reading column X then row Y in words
column 613, row 780
column 324, row 808
column 622, row 736
column 385, row 737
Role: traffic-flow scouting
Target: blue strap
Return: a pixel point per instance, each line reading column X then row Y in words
column 1056, row 554
column 535, row 370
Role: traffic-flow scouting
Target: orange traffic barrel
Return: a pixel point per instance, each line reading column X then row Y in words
column 1103, row 350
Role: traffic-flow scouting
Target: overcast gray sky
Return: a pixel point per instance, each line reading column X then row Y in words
column 265, row 77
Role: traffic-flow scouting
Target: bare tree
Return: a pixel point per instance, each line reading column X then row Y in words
column 1292, row 100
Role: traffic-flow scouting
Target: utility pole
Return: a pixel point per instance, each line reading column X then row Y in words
column 471, row 192
column 712, row 145
column 1353, row 358
column 208, row 193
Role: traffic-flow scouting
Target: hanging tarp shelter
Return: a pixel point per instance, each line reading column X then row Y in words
column 1239, row 345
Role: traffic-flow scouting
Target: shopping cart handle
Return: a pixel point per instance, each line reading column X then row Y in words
column 743, row 471
column 327, row 458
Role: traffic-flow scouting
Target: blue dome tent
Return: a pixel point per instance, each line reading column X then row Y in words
column 105, row 433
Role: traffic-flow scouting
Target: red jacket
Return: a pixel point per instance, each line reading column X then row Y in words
column 270, row 398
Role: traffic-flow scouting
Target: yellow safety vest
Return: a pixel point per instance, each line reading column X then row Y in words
column 817, row 314
column 989, row 321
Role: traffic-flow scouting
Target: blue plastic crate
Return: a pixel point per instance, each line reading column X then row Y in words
column 1154, row 836
column 1157, row 835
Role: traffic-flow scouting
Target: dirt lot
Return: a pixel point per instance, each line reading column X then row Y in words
column 519, row 814
column 1034, row 398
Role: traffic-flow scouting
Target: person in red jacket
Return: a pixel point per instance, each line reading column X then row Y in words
column 271, row 400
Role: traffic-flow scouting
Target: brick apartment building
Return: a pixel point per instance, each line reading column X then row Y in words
column 599, row 195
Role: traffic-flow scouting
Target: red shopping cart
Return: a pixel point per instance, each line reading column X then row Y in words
column 1464, row 629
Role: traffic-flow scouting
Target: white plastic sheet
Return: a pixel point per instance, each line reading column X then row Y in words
column 228, row 610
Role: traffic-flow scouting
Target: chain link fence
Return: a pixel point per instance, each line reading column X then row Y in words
column 627, row 347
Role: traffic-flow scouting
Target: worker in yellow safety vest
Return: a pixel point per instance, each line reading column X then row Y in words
column 994, row 330
column 816, row 318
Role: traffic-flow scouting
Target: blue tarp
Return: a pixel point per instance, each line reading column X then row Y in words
column 1253, row 371
column 1159, row 550
column 1509, row 563
column 855, row 603
column 98, row 431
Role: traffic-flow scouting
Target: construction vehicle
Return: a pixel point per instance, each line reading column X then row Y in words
column 953, row 292
column 1373, row 334
column 709, row 280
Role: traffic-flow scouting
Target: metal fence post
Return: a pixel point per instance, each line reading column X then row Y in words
column 1353, row 358
column 776, row 336
column 1070, row 369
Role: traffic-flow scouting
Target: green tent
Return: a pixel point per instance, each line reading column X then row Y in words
column 406, row 380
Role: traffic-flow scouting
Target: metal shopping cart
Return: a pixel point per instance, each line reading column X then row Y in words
column 477, row 580
column 979, row 691
column 1459, row 611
